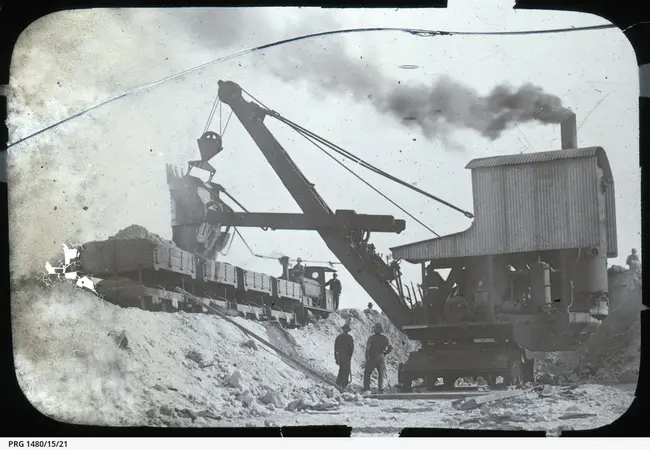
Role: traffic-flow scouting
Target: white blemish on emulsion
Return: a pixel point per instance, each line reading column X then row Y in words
column 62, row 272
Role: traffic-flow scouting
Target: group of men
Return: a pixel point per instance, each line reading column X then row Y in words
column 377, row 348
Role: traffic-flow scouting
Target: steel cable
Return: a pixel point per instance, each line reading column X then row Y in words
column 412, row 31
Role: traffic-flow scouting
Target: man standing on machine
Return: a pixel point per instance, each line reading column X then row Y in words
column 335, row 285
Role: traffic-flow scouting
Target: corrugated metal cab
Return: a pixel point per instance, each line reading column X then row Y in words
column 531, row 202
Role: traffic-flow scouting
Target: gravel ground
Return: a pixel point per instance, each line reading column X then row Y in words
column 591, row 406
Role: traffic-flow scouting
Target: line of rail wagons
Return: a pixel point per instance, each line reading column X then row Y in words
column 144, row 274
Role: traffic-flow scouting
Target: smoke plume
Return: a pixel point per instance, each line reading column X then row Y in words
column 435, row 108
column 447, row 102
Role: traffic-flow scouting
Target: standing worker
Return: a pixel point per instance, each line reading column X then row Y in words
column 298, row 271
column 335, row 286
column 343, row 349
column 376, row 350
column 633, row 261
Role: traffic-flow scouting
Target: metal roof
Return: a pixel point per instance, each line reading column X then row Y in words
column 541, row 157
column 489, row 196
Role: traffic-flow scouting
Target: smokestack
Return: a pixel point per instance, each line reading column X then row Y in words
column 569, row 133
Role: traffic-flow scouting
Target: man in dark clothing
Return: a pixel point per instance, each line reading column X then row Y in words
column 434, row 279
column 298, row 271
column 335, row 286
column 376, row 350
column 434, row 283
column 633, row 260
column 343, row 349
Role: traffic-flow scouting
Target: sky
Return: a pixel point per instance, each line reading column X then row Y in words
column 92, row 176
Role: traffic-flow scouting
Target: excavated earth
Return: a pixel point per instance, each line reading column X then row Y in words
column 612, row 355
column 138, row 232
column 80, row 359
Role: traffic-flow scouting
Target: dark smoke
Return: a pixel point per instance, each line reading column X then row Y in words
column 447, row 102
column 435, row 109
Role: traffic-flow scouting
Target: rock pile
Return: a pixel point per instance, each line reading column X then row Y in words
column 615, row 349
column 612, row 354
column 138, row 232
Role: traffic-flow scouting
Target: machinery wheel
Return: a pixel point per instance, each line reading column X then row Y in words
column 457, row 309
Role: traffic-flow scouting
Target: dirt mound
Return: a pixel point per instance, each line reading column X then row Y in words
column 315, row 343
column 73, row 363
column 282, row 339
column 138, row 232
column 612, row 354
column 615, row 348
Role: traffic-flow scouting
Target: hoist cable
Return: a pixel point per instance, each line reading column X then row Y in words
column 233, row 199
column 213, row 111
column 226, row 125
column 359, row 161
column 229, row 195
column 230, row 241
column 367, row 165
column 311, row 136
column 355, row 158
column 366, row 183
column 216, row 102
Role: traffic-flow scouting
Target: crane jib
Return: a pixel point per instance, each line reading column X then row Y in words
column 359, row 258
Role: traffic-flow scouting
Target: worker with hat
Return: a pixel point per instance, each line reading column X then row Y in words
column 343, row 349
column 335, row 285
column 298, row 271
column 377, row 348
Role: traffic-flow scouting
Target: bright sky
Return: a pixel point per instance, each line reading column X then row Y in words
column 113, row 159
